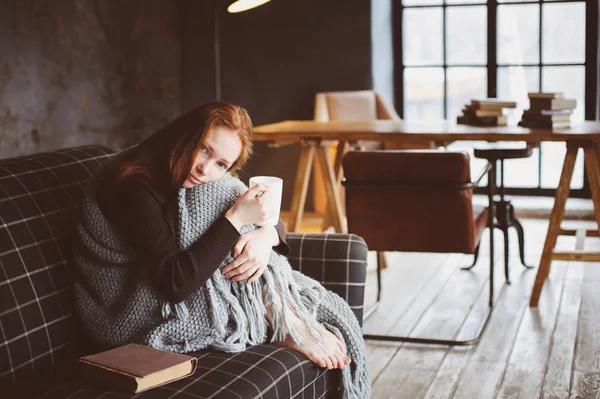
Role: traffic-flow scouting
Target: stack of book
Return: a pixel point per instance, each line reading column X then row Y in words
column 487, row 112
column 548, row 111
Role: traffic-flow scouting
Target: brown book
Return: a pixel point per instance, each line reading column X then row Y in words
column 546, row 95
column 483, row 112
column 544, row 125
column 492, row 103
column 463, row 120
column 135, row 368
column 481, row 121
column 538, row 104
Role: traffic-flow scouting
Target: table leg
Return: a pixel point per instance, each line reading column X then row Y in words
column 334, row 204
column 342, row 148
column 305, row 164
column 592, row 167
column 556, row 217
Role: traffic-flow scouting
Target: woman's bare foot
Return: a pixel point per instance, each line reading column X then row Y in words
column 329, row 353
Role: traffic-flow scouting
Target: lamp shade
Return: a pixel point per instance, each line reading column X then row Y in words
column 243, row 5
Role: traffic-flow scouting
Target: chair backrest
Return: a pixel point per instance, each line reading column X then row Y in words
column 415, row 200
column 362, row 105
column 38, row 200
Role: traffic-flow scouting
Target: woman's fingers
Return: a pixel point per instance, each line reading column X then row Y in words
column 257, row 190
column 259, row 272
column 253, row 269
column 234, row 264
column 238, row 248
column 242, row 268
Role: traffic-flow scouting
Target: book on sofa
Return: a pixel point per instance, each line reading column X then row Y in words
column 136, row 368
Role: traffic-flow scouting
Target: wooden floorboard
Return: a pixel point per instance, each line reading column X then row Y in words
column 557, row 378
column 585, row 380
column 552, row 351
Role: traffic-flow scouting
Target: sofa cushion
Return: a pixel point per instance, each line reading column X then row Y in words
column 338, row 261
column 261, row 371
column 38, row 197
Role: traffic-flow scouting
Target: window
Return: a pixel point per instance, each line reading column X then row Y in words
column 451, row 51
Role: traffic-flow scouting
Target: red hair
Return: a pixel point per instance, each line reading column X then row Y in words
column 178, row 143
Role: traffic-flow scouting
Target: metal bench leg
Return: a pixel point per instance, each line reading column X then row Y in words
column 369, row 311
column 445, row 342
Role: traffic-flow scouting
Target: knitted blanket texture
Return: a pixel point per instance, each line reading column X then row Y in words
column 117, row 304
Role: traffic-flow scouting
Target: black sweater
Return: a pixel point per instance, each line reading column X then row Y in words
column 138, row 207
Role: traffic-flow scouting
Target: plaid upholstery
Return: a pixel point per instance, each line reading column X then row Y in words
column 38, row 195
column 39, row 339
column 338, row 261
column 262, row 371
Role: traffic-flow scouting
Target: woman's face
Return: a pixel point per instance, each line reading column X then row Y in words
column 219, row 150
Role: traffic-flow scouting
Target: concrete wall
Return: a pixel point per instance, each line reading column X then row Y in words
column 111, row 72
column 85, row 71
column 276, row 57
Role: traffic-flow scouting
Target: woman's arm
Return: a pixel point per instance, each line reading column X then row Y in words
column 175, row 273
column 252, row 250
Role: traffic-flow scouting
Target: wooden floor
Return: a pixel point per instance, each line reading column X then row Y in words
column 552, row 351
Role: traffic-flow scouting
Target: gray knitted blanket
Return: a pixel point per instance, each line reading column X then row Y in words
column 117, row 304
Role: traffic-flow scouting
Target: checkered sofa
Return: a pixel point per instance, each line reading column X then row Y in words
column 39, row 335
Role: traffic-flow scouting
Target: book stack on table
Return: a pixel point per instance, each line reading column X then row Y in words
column 487, row 112
column 548, row 111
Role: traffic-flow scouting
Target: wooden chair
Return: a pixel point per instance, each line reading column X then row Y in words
column 416, row 201
column 357, row 105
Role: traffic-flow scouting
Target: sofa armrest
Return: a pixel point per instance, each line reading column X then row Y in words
column 338, row 261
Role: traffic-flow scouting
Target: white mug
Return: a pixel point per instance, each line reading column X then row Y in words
column 275, row 185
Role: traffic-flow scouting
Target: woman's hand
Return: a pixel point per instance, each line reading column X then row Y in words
column 252, row 207
column 251, row 253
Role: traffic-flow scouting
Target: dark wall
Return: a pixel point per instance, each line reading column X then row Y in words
column 197, row 32
column 276, row 57
column 111, row 72
column 382, row 53
column 80, row 72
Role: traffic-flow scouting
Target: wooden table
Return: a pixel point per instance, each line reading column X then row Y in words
column 314, row 137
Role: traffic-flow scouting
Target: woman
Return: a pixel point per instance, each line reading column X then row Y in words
column 136, row 192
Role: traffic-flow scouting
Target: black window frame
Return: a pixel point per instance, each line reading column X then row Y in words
column 592, row 55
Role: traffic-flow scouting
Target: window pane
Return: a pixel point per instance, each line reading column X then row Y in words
column 553, row 155
column 423, row 93
column 466, row 35
column 422, row 33
column 518, row 34
column 569, row 80
column 464, row 84
column 522, row 172
column 513, row 84
column 420, row 2
column 563, row 32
